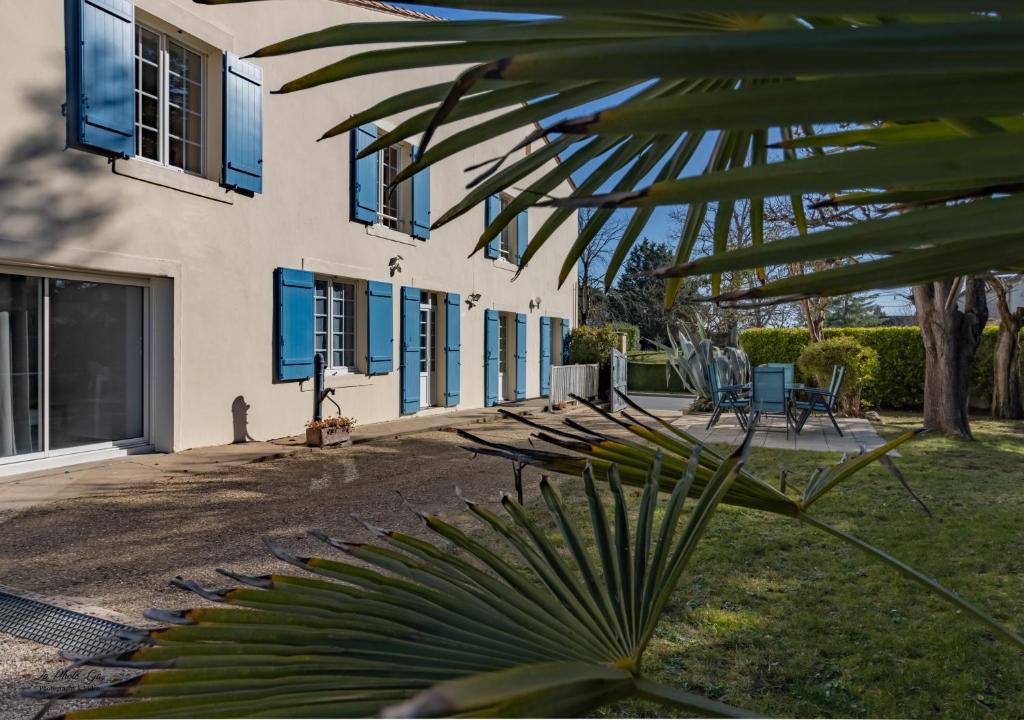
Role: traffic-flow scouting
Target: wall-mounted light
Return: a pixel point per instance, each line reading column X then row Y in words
column 535, row 303
column 472, row 300
column 395, row 265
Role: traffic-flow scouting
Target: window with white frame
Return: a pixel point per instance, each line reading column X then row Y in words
column 507, row 248
column 169, row 101
column 334, row 325
column 394, row 204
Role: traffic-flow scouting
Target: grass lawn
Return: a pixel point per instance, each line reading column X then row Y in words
column 648, row 356
column 785, row 620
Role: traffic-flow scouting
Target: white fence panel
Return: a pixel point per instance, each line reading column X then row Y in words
column 572, row 379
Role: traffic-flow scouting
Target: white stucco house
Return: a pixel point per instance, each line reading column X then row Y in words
column 175, row 246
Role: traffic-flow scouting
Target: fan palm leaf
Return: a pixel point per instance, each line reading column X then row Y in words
column 408, row 628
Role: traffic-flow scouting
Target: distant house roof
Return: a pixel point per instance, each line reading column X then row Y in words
column 899, row 321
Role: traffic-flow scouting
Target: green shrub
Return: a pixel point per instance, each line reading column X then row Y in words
column 632, row 334
column 818, row 359
column 592, row 344
column 899, row 383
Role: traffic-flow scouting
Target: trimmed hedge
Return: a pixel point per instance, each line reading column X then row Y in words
column 899, row 384
column 650, row 377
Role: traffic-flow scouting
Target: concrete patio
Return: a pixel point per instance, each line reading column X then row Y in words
column 818, row 434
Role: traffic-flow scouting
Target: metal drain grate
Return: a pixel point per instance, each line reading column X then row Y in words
column 71, row 631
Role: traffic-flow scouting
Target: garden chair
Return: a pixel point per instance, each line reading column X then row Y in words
column 727, row 397
column 770, row 396
column 821, row 400
column 787, row 369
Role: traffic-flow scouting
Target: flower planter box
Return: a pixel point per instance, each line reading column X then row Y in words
column 322, row 437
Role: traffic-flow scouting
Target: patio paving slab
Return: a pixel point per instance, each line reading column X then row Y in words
column 818, row 434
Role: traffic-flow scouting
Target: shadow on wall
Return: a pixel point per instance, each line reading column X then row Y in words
column 240, row 420
column 45, row 190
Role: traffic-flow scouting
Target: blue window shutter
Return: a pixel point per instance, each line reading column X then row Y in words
column 565, row 341
column 491, row 210
column 364, row 175
column 293, row 323
column 243, row 124
column 452, row 345
column 545, row 356
column 379, row 338
column 522, row 235
column 410, row 350
column 421, row 203
column 520, row 356
column 100, row 59
column 491, row 330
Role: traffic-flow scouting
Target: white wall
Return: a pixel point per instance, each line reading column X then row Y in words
column 216, row 250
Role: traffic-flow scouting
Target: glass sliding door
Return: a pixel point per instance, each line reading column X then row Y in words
column 96, row 370
column 72, row 365
column 20, row 376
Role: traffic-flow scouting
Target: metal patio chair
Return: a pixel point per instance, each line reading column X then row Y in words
column 787, row 369
column 821, row 400
column 770, row 396
column 727, row 397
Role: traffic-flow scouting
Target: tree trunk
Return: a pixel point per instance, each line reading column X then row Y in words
column 1006, row 387
column 951, row 339
column 814, row 317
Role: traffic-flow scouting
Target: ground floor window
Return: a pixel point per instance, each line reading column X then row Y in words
column 72, row 364
column 334, row 325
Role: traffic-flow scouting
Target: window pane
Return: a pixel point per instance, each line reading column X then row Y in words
column 149, row 45
column 194, row 97
column 175, row 121
column 176, row 58
column 175, row 153
column 193, row 127
column 195, row 67
column 150, row 112
column 150, row 79
column 150, row 145
column 193, row 158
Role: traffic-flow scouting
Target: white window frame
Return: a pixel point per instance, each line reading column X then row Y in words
column 163, row 134
column 509, row 234
column 400, row 198
column 329, row 339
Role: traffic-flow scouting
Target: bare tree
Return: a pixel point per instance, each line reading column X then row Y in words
column 593, row 261
column 1006, row 388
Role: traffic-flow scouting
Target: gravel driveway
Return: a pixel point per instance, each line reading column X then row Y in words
column 119, row 551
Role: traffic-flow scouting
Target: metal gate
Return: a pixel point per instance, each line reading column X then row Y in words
column 618, row 380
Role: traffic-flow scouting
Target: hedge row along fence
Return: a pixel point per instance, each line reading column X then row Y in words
column 900, row 381
column 650, row 377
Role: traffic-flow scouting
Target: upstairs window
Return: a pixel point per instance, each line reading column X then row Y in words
column 394, row 204
column 334, row 325
column 507, row 249
column 169, row 101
